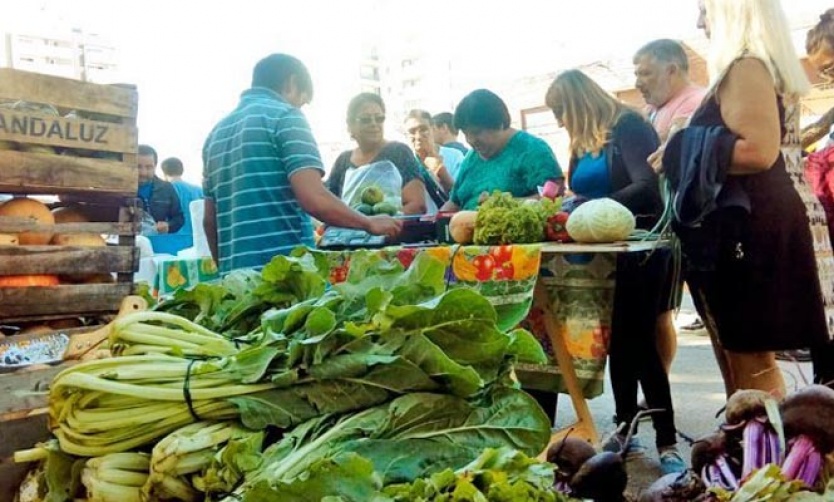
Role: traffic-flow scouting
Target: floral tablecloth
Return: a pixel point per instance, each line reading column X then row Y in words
column 580, row 286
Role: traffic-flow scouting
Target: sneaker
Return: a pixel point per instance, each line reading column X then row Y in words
column 695, row 325
column 614, row 444
column 671, row 461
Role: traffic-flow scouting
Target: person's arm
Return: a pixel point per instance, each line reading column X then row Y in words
column 176, row 219
column 210, row 227
column 436, row 166
column 748, row 102
column 449, row 206
column 818, row 130
column 414, row 197
column 636, row 141
column 319, row 203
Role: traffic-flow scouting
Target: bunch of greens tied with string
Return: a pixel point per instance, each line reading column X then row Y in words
column 348, row 349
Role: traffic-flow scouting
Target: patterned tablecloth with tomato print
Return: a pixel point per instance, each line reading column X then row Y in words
column 176, row 273
column 581, row 287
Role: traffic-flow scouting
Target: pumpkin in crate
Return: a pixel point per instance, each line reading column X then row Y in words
column 23, row 281
column 24, row 207
column 69, row 214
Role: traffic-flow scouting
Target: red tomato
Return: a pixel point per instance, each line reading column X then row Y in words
column 338, row 275
column 406, row 256
column 505, row 271
column 555, row 229
column 484, row 266
column 501, row 254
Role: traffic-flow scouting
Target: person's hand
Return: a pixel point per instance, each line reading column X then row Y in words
column 433, row 164
column 656, row 159
column 162, row 227
column 384, row 225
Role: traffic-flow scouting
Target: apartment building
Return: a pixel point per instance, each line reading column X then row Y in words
column 71, row 54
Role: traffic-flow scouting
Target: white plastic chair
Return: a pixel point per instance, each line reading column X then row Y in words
column 147, row 268
column 199, row 247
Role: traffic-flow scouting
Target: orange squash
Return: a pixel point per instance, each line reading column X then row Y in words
column 22, row 281
column 22, row 207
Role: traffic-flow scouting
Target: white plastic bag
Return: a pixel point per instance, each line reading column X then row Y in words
column 383, row 174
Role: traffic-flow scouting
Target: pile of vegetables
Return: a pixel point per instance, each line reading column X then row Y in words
column 766, row 450
column 503, row 219
column 270, row 387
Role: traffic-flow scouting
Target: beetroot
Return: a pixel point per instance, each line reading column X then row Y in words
column 568, row 455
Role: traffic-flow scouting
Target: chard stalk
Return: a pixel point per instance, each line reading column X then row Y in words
column 799, row 450
column 31, row 455
column 121, row 477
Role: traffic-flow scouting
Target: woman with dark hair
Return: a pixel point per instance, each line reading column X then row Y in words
column 609, row 145
column 365, row 118
column 819, row 45
column 504, row 158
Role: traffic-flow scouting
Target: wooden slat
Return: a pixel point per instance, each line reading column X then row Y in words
column 20, row 304
column 34, row 173
column 25, row 391
column 12, row 225
column 18, row 434
column 37, row 128
column 23, row 260
column 121, row 100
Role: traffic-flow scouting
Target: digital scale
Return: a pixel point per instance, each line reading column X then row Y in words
column 418, row 230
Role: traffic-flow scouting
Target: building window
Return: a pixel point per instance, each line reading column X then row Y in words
column 369, row 72
column 372, row 89
column 407, row 63
column 410, row 83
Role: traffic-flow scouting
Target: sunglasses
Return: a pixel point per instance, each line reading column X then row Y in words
column 379, row 119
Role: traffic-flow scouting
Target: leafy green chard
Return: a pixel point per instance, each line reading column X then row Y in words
column 413, row 436
column 234, row 305
column 498, row 474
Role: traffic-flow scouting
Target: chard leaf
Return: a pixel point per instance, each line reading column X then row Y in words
column 410, row 437
column 281, row 408
column 250, row 365
column 526, row 348
column 290, row 279
column 458, row 379
column 346, row 474
column 454, row 432
column 775, row 419
column 320, row 321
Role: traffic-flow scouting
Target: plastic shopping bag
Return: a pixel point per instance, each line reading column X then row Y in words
column 374, row 188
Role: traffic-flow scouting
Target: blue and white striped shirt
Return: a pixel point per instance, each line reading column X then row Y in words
column 248, row 160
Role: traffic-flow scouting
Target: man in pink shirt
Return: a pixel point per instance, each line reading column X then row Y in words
column 662, row 71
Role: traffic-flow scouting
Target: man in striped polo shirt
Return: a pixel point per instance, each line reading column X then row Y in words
column 262, row 174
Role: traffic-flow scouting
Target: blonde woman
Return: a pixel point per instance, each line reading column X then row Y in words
column 761, row 291
column 610, row 144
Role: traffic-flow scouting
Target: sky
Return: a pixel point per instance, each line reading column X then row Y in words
column 190, row 61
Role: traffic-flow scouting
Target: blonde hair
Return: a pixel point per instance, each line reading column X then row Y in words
column 757, row 28
column 587, row 111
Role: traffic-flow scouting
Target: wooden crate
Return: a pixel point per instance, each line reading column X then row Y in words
column 94, row 140
column 23, row 421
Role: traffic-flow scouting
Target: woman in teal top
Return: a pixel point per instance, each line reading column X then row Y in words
column 502, row 158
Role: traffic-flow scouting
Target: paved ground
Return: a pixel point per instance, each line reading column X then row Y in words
column 697, row 392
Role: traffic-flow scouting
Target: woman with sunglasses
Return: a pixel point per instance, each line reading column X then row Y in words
column 819, row 45
column 365, row 119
